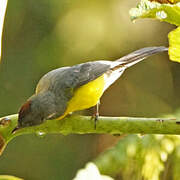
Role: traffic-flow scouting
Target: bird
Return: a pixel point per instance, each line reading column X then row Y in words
column 69, row 89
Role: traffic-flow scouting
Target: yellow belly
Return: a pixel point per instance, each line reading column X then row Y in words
column 86, row 96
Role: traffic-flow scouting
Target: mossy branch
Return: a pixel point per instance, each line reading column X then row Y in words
column 76, row 124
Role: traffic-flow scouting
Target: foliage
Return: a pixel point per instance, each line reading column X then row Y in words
column 164, row 12
column 174, row 45
column 149, row 157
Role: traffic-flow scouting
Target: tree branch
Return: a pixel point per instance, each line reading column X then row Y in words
column 76, row 124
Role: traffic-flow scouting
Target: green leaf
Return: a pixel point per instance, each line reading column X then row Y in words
column 174, row 1
column 166, row 1
column 7, row 177
column 163, row 12
column 174, row 45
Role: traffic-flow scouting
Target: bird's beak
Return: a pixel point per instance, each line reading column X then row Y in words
column 15, row 129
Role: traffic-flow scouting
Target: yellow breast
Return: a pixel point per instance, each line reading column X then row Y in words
column 86, row 96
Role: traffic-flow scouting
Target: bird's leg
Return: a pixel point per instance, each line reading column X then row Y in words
column 96, row 114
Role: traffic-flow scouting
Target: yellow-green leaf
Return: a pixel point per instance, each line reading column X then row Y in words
column 174, row 45
column 7, row 177
column 163, row 12
column 167, row 1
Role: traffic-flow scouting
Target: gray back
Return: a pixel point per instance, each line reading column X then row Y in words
column 63, row 82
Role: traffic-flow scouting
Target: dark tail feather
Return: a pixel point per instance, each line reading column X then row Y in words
column 139, row 55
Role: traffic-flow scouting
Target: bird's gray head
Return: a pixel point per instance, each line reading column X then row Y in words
column 36, row 110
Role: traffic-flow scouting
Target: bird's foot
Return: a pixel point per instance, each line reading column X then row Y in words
column 95, row 117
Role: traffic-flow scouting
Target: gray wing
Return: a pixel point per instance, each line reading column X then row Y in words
column 72, row 77
column 64, row 81
column 46, row 81
column 81, row 74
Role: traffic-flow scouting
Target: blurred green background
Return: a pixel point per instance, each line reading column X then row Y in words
column 43, row 35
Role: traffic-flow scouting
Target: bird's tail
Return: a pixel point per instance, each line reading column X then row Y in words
column 139, row 55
